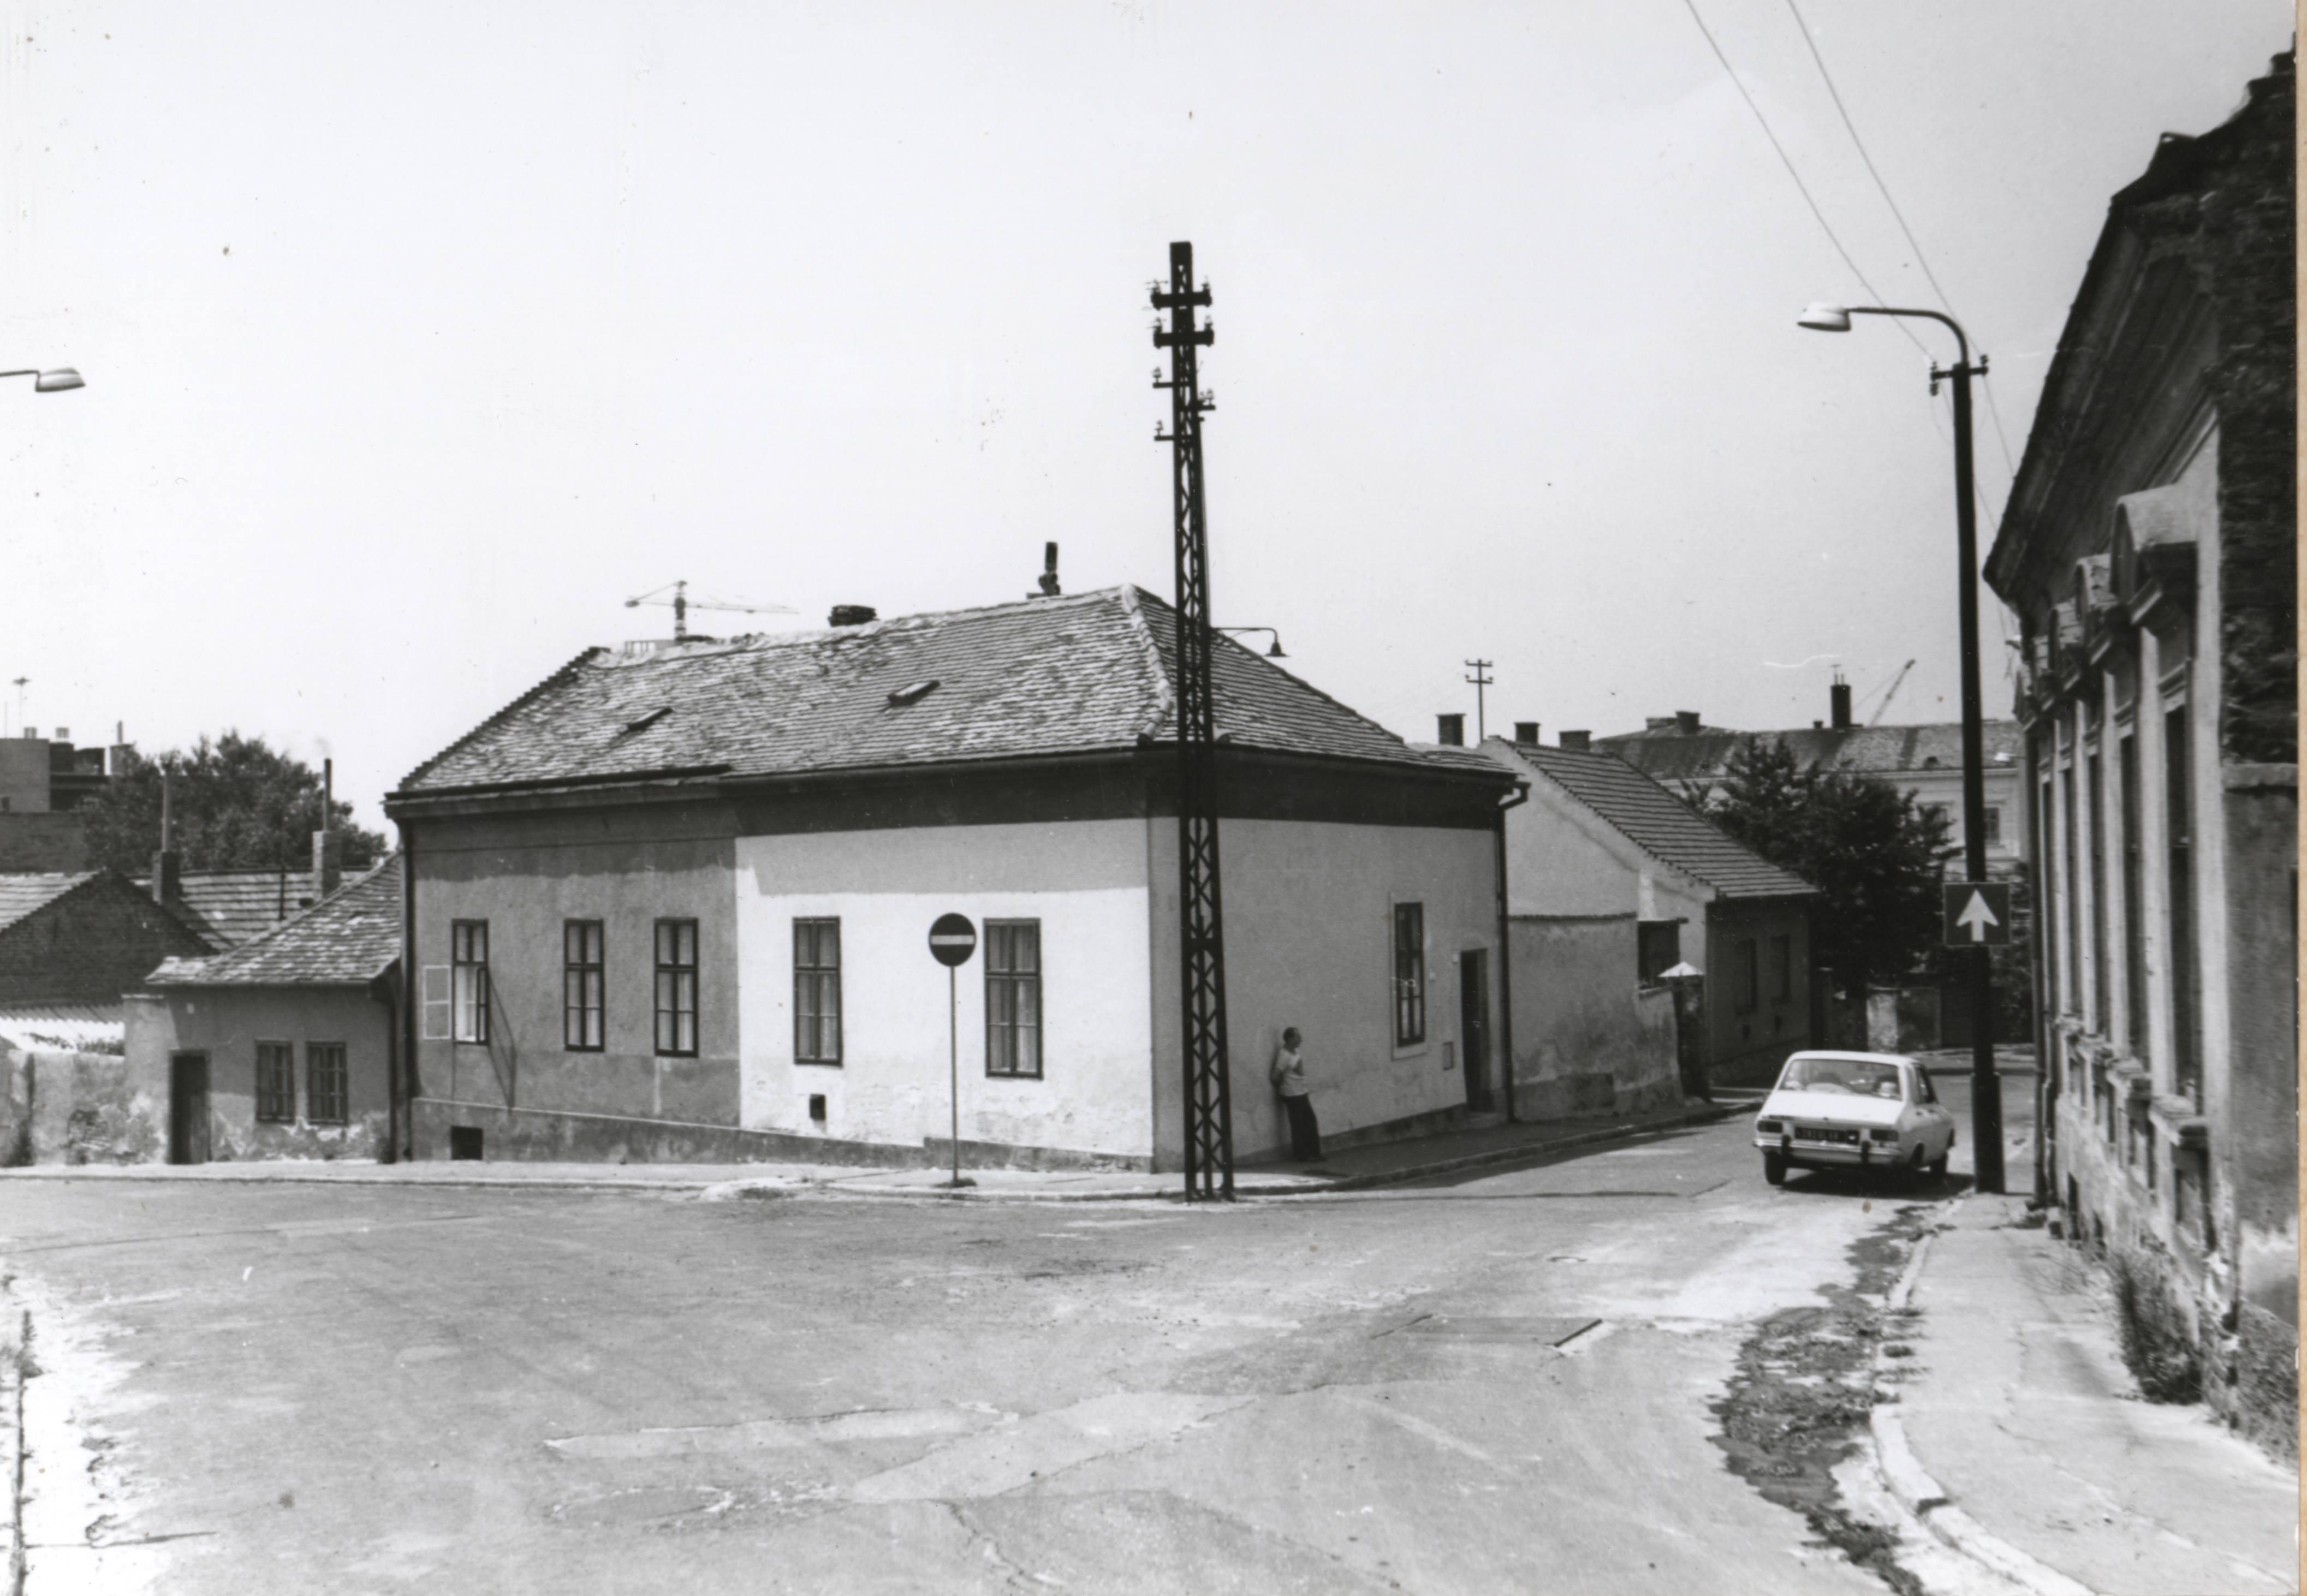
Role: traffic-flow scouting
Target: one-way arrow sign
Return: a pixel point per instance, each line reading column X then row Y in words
column 1977, row 914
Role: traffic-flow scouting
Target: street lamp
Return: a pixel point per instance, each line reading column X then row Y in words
column 1986, row 1086
column 1272, row 652
column 56, row 381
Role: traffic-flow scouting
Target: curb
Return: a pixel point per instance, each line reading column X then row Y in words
column 1923, row 1497
column 11, row 1437
column 1313, row 1186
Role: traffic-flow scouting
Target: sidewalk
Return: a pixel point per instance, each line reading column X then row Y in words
column 1355, row 1169
column 2017, row 1436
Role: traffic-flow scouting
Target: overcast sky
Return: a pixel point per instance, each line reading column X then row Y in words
column 420, row 337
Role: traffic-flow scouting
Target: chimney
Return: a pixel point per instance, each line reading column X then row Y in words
column 1686, row 722
column 327, row 848
column 167, row 878
column 1838, row 698
column 1658, row 723
column 1577, row 741
column 1049, row 578
column 1526, row 731
column 1450, row 730
column 850, row 614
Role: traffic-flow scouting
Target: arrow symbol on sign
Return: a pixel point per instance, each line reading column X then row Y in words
column 1977, row 916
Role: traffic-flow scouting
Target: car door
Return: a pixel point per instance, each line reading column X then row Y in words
column 1939, row 1136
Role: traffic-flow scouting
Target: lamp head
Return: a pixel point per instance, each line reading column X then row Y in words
column 1823, row 317
column 57, row 380
column 1275, row 652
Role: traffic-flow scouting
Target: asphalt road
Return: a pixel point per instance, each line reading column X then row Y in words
column 1490, row 1382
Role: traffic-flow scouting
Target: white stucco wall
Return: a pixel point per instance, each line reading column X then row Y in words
column 1086, row 881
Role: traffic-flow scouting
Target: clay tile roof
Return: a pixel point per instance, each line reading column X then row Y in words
column 232, row 905
column 25, row 893
column 1082, row 673
column 1659, row 823
column 1887, row 751
column 348, row 937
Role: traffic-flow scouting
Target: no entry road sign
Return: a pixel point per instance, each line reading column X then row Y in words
column 952, row 939
column 1977, row 914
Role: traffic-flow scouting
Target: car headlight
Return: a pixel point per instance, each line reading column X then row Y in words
column 1884, row 1134
column 1769, row 1127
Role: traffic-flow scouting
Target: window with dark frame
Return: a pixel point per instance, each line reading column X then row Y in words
column 1013, row 998
column 324, row 1083
column 584, row 1013
column 2179, row 902
column 1744, row 980
column 1409, row 973
column 676, row 988
column 1658, row 948
column 276, row 1082
column 817, row 992
column 2102, row 996
column 1782, row 965
column 2134, row 899
column 468, row 980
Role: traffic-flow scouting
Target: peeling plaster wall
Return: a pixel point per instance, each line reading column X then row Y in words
column 1587, row 1039
column 81, row 1107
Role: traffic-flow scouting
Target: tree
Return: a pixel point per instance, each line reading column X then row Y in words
column 234, row 804
column 1876, row 858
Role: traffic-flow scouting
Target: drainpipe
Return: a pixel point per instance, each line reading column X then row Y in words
column 1520, row 797
column 403, row 1092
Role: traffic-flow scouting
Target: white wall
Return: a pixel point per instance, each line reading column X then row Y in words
column 1083, row 881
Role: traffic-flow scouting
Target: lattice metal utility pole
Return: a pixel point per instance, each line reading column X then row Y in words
column 1480, row 680
column 1209, row 1102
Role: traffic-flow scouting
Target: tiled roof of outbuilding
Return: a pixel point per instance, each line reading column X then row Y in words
column 1655, row 821
column 26, row 894
column 1083, row 674
column 350, row 936
column 1886, row 751
column 232, row 905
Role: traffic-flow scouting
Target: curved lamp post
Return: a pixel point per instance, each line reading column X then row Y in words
column 1272, row 652
column 56, row 381
column 1986, row 1086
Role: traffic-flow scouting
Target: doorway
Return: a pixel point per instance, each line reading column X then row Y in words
column 188, row 1108
column 1474, row 1026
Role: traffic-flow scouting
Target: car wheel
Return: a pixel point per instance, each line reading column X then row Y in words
column 1938, row 1167
column 1774, row 1168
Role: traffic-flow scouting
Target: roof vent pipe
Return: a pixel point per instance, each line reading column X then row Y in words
column 1838, row 698
column 1450, row 730
column 1049, row 577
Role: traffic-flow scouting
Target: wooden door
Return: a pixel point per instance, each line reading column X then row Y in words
column 1474, row 1026
column 188, row 1108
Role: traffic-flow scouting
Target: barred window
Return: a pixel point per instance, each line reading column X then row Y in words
column 583, row 1017
column 817, row 992
column 324, row 1083
column 676, row 988
column 276, row 1082
column 469, row 987
column 1409, row 973
column 1013, row 998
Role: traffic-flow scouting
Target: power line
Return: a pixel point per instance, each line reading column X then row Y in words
column 1921, row 258
column 1787, row 161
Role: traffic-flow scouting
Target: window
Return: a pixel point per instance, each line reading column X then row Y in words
column 2180, row 901
column 1658, row 948
column 2069, row 877
column 1013, row 998
column 676, row 988
column 1782, row 966
column 324, row 1083
column 582, row 1016
column 1409, row 973
column 469, row 986
column 1994, row 826
column 2101, row 998
column 817, row 992
column 2134, row 902
column 276, row 1082
column 1938, row 812
column 1743, row 976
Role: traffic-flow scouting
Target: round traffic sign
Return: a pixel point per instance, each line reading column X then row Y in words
column 952, row 939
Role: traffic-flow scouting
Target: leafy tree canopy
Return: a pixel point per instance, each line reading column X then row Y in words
column 235, row 803
column 1873, row 854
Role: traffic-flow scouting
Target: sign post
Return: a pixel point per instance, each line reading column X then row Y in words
column 952, row 939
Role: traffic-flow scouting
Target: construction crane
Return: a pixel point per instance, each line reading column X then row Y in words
column 1889, row 692
column 681, row 604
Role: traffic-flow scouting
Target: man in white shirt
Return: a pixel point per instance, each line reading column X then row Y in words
column 1289, row 1079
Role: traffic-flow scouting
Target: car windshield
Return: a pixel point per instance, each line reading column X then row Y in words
column 1856, row 1076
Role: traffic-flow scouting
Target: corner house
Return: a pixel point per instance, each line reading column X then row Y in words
column 674, row 902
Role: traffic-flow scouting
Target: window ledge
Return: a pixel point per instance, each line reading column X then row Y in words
column 2176, row 1118
column 2131, row 1078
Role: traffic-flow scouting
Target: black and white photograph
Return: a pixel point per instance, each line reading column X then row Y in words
column 750, row 837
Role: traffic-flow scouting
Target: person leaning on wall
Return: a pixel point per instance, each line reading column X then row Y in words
column 1297, row 1098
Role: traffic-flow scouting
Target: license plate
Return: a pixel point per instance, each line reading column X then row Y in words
column 1822, row 1133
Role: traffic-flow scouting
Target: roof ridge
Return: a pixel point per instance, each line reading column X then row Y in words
column 1697, row 872
column 1165, row 696
column 1253, row 655
column 566, row 673
column 761, row 641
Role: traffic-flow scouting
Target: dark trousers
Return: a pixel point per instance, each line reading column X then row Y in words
column 1304, row 1135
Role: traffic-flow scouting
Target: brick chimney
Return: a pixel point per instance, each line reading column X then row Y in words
column 1838, row 698
column 1450, row 730
column 1577, row 741
column 327, row 848
column 852, row 615
column 1687, row 721
column 1526, row 731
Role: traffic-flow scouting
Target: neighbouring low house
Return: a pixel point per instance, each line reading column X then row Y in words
column 2150, row 551
column 672, row 902
column 283, row 1046
column 84, row 937
column 232, row 905
column 1613, row 881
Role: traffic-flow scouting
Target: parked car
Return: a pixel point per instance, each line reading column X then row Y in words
column 1853, row 1111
